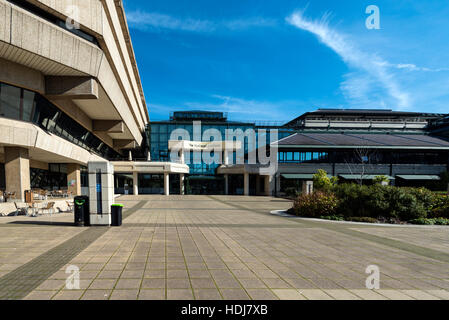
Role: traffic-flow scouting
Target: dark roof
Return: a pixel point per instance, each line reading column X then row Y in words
column 355, row 140
column 362, row 113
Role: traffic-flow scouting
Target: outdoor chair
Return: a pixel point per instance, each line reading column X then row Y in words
column 49, row 208
column 70, row 206
column 21, row 208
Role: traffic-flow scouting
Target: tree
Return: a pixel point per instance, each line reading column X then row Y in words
column 383, row 180
column 361, row 163
column 321, row 180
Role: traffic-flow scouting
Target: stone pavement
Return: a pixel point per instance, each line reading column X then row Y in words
column 220, row 247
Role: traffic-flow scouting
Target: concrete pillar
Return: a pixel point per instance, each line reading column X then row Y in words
column 182, row 189
column 17, row 171
column 135, row 183
column 166, row 184
column 225, row 157
column 307, row 187
column 74, row 178
column 182, row 157
column 246, row 184
column 100, row 209
column 268, row 184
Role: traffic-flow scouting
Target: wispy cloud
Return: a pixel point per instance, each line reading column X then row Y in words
column 412, row 67
column 241, row 108
column 368, row 68
column 153, row 21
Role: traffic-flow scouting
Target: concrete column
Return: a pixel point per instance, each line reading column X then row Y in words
column 246, row 184
column 307, row 187
column 182, row 189
column 225, row 157
column 74, row 178
column 17, row 171
column 226, row 176
column 135, row 183
column 268, row 189
column 182, row 157
column 166, row 184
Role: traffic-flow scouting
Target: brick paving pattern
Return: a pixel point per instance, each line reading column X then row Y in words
column 199, row 247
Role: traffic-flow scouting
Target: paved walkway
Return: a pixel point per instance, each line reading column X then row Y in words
column 201, row 247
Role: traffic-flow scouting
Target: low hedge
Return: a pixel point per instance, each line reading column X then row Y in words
column 315, row 205
column 373, row 203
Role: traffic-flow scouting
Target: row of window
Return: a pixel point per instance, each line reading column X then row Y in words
column 302, row 157
column 370, row 157
column 21, row 104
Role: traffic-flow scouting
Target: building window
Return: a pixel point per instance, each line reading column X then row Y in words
column 21, row 104
column 303, row 157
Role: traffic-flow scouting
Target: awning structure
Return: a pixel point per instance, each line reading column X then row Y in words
column 298, row 176
column 420, row 177
column 364, row 177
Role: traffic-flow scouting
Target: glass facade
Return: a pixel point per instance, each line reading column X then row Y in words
column 160, row 132
column 151, row 184
column 24, row 105
column 202, row 178
column 302, row 157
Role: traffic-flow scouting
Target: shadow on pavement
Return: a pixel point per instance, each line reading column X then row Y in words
column 43, row 223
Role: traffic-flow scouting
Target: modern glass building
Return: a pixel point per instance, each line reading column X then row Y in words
column 203, row 178
column 409, row 148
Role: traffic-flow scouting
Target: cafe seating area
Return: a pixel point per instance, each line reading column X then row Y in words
column 37, row 202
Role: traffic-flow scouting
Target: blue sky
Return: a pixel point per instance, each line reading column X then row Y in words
column 274, row 60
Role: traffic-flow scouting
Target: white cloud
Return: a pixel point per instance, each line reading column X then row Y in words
column 148, row 21
column 369, row 66
column 411, row 67
column 238, row 107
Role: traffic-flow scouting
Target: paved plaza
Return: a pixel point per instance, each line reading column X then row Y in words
column 219, row 247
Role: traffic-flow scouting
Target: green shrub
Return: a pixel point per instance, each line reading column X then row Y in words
column 291, row 192
column 442, row 222
column 334, row 218
column 405, row 205
column 316, row 205
column 381, row 179
column 362, row 219
column 429, row 222
column 321, row 181
column 362, row 201
column 440, row 209
column 423, row 221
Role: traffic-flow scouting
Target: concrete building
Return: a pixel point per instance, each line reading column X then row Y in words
column 70, row 92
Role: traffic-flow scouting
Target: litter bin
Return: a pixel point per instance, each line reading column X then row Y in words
column 116, row 215
column 82, row 211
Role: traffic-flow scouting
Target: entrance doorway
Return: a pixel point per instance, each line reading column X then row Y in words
column 123, row 183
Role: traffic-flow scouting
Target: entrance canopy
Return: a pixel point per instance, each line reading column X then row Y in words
column 298, row 176
column 183, row 145
column 364, row 177
column 420, row 177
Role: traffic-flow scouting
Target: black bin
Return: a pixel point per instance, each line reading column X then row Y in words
column 116, row 215
column 82, row 211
